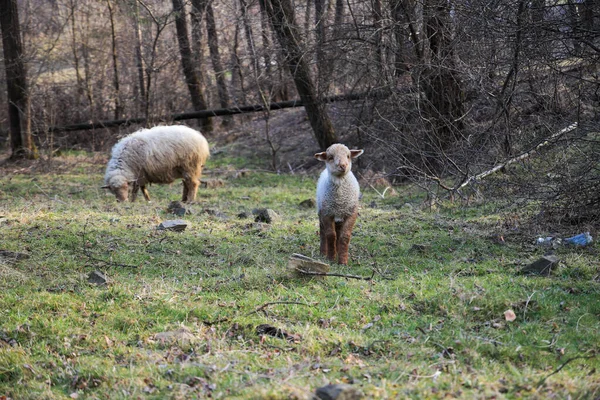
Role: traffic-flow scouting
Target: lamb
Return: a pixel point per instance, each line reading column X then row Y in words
column 157, row 155
column 337, row 201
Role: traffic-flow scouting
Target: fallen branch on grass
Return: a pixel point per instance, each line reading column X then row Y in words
column 255, row 311
column 92, row 258
column 261, row 308
column 364, row 278
column 557, row 370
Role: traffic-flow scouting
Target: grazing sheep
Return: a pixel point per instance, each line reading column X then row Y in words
column 337, row 201
column 157, row 155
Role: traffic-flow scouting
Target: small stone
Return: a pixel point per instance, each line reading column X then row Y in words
column 339, row 392
column 304, row 266
column 97, row 278
column 177, row 225
column 216, row 213
column 420, row 248
column 212, row 183
column 177, row 208
column 13, row 255
column 181, row 336
column 543, row 266
column 265, row 215
column 243, row 215
column 308, row 203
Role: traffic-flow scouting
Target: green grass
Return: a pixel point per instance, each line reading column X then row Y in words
column 429, row 325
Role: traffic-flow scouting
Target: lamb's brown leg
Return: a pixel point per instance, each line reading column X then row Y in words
column 344, row 233
column 328, row 237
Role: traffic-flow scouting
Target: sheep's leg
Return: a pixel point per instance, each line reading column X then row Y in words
column 344, row 233
column 184, row 196
column 328, row 237
column 134, row 190
column 145, row 193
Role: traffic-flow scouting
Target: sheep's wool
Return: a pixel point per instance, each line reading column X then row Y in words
column 337, row 196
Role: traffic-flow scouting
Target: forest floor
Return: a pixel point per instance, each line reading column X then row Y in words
column 445, row 309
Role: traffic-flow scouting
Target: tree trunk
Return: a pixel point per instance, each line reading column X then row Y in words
column 250, row 40
column 378, row 37
column 197, row 15
column 320, row 43
column 281, row 14
column 139, row 58
column 80, row 89
column 440, row 81
column 266, row 43
column 187, row 62
column 22, row 145
column 213, row 45
column 237, row 77
column 113, row 36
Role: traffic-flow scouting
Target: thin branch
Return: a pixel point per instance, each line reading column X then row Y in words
column 257, row 310
column 513, row 160
column 557, row 370
column 364, row 278
column 261, row 308
column 92, row 258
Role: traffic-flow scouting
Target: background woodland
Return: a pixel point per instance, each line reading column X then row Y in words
column 441, row 91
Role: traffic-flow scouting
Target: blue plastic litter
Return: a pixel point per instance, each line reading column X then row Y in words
column 583, row 239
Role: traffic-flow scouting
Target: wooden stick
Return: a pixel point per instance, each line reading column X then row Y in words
column 520, row 157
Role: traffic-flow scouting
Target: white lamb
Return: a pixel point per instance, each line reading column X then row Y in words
column 337, row 201
column 157, row 155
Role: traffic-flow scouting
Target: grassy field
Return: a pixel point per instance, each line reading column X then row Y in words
column 179, row 316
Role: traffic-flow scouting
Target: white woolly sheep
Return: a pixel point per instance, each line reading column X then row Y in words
column 337, row 201
column 157, row 155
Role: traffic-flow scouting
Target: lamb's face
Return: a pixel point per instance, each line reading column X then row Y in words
column 338, row 159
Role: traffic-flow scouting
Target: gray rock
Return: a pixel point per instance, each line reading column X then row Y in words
column 243, row 215
column 420, row 247
column 265, row 215
column 212, row 183
column 177, row 208
column 339, row 392
column 177, row 225
column 97, row 278
column 543, row 266
column 308, row 203
column 12, row 256
column 181, row 336
column 216, row 213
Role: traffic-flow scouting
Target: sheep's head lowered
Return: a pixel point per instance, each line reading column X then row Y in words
column 118, row 186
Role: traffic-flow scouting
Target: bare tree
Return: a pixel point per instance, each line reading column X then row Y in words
column 113, row 36
column 16, row 79
column 187, row 62
column 197, row 15
column 139, row 57
column 281, row 15
column 215, row 56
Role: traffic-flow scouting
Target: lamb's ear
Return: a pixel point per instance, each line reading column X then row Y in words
column 321, row 156
column 356, row 153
